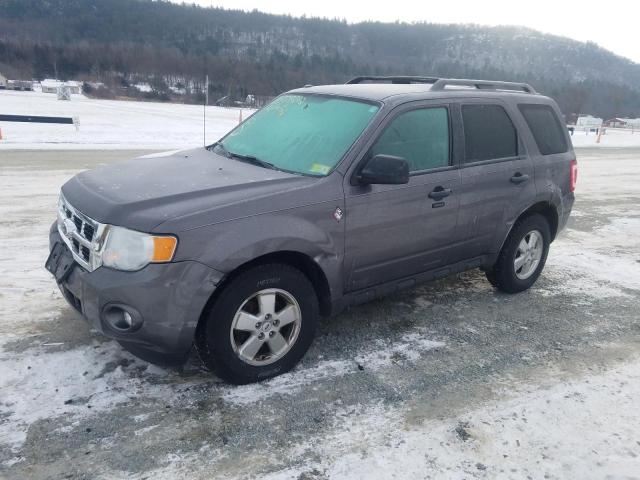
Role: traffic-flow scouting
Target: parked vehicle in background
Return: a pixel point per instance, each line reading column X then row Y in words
column 328, row 197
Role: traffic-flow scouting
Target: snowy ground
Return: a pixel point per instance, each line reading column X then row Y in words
column 449, row 380
column 106, row 124
column 613, row 138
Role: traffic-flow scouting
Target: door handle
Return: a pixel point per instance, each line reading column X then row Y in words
column 439, row 193
column 519, row 178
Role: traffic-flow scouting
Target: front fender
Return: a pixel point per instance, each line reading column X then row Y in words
column 310, row 230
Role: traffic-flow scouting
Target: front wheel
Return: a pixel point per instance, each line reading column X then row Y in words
column 260, row 325
column 523, row 255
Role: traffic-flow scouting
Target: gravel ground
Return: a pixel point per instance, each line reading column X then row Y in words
column 448, row 380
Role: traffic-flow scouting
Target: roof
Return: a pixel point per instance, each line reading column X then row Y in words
column 51, row 83
column 588, row 117
column 385, row 88
column 625, row 119
column 391, row 94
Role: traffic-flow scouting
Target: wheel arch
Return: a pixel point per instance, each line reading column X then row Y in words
column 298, row 260
column 546, row 209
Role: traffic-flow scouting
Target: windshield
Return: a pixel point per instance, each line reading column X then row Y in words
column 306, row 134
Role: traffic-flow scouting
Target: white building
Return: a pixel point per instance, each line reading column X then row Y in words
column 74, row 87
column 50, row 85
column 620, row 122
column 3, row 81
column 588, row 121
column 24, row 85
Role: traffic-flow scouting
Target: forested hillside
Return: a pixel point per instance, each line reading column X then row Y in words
column 120, row 42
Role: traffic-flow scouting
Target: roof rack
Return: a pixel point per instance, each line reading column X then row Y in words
column 440, row 84
column 394, row 79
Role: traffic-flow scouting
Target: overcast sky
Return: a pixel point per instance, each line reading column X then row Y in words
column 612, row 24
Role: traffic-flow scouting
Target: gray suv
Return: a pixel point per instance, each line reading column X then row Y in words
column 328, row 197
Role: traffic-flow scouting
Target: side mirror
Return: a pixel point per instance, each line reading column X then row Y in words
column 385, row 170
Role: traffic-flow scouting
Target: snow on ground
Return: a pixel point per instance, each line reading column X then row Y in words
column 610, row 264
column 596, row 268
column 449, row 380
column 611, row 139
column 410, row 346
column 44, row 375
column 534, row 433
column 110, row 124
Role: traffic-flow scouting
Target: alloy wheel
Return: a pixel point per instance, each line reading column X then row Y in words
column 265, row 327
column 528, row 254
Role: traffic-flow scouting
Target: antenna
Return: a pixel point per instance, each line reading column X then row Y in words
column 204, row 111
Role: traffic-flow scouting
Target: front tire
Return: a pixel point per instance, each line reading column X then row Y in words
column 523, row 255
column 260, row 325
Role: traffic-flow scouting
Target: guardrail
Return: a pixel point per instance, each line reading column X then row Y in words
column 39, row 119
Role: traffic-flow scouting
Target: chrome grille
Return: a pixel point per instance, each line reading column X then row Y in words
column 88, row 230
column 82, row 235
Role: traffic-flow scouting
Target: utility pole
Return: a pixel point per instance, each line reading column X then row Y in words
column 204, row 110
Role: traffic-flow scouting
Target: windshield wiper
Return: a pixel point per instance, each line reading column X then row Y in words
column 253, row 160
column 245, row 158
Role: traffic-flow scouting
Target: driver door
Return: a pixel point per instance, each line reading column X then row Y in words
column 395, row 231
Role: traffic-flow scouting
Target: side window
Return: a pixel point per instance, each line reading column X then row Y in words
column 420, row 136
column 489, row 133
column 546, row 128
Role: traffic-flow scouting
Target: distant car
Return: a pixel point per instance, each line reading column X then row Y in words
column 328, row 197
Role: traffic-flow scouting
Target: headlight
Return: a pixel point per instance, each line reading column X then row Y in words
column 130, row 250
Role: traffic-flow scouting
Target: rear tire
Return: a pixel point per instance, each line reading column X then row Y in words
column 523, row 255
column 260, row 325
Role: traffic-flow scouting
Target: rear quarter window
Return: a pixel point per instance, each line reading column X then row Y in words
column 546, row 128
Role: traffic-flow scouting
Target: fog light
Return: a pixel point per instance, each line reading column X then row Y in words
column 121, row 318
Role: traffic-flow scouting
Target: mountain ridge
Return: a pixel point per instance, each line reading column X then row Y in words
column 265, row 54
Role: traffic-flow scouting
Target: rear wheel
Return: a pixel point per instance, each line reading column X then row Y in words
column 523, row 255
column 261, row 324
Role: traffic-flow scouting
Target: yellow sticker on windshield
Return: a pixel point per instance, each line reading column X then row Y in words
column 320, row 168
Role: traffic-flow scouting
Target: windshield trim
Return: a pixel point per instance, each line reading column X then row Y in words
column 376, row 103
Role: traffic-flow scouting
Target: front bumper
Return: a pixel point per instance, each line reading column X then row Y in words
column 169, row 298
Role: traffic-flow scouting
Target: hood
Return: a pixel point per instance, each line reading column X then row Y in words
column 146, row 192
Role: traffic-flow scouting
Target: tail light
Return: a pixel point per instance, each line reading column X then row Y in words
column 573, row 175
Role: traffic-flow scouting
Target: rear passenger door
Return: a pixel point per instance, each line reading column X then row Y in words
column 496, row 176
